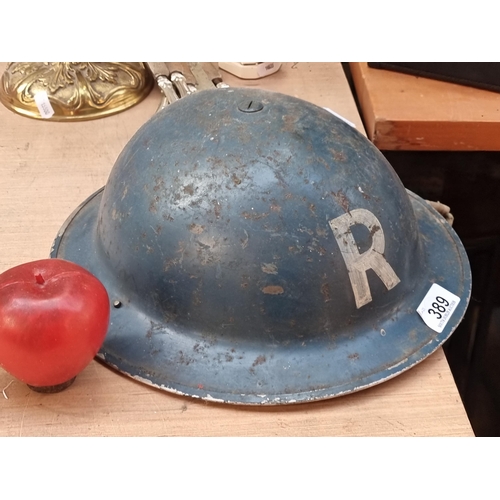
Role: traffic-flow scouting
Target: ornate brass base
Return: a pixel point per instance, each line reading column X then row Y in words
column 74, row 90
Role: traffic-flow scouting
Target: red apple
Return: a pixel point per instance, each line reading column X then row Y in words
column 54, row 315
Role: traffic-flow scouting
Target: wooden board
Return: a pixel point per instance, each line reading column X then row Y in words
column 47, row 169
column 405, row 112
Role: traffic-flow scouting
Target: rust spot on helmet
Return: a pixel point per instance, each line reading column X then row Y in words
column 259, row 360
column 325, row 291
column 254, row 216
column 338, row 156
column 196, row 228
column 341, row 199
column 289, row 123
column 273, row 290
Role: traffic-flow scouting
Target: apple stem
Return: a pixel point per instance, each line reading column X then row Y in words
column 39, row 279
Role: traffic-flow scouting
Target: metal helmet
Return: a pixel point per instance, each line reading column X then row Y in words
column 260, row 250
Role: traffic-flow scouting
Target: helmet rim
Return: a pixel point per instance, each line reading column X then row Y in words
column 272, row 375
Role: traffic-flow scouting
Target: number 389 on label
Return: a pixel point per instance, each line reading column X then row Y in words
column 437, row 307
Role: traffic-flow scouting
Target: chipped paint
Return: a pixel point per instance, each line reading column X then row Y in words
column 208, row 397
column 269, row 268
column 244, row 241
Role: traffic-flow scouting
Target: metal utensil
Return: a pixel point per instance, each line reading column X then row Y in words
column 180, row 79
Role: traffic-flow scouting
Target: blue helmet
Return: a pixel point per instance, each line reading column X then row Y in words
column 260, row 250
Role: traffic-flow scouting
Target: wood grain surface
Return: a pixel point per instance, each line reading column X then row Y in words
column 406, row 112
column 47, row 169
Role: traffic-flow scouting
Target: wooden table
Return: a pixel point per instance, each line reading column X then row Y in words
column 47, row 169
column 405, row 112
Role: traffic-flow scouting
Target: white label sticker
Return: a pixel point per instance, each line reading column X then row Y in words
column 437, row 307
column 43, row 104
column 264, row 69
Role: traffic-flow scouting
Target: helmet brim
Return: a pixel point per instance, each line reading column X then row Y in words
column 168, row 357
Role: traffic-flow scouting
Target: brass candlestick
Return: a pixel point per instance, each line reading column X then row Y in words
column 71, row 91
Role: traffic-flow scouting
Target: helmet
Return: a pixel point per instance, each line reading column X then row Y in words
column 260, row 250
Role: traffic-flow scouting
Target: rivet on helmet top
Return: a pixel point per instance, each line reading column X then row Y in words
column 250, row 106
